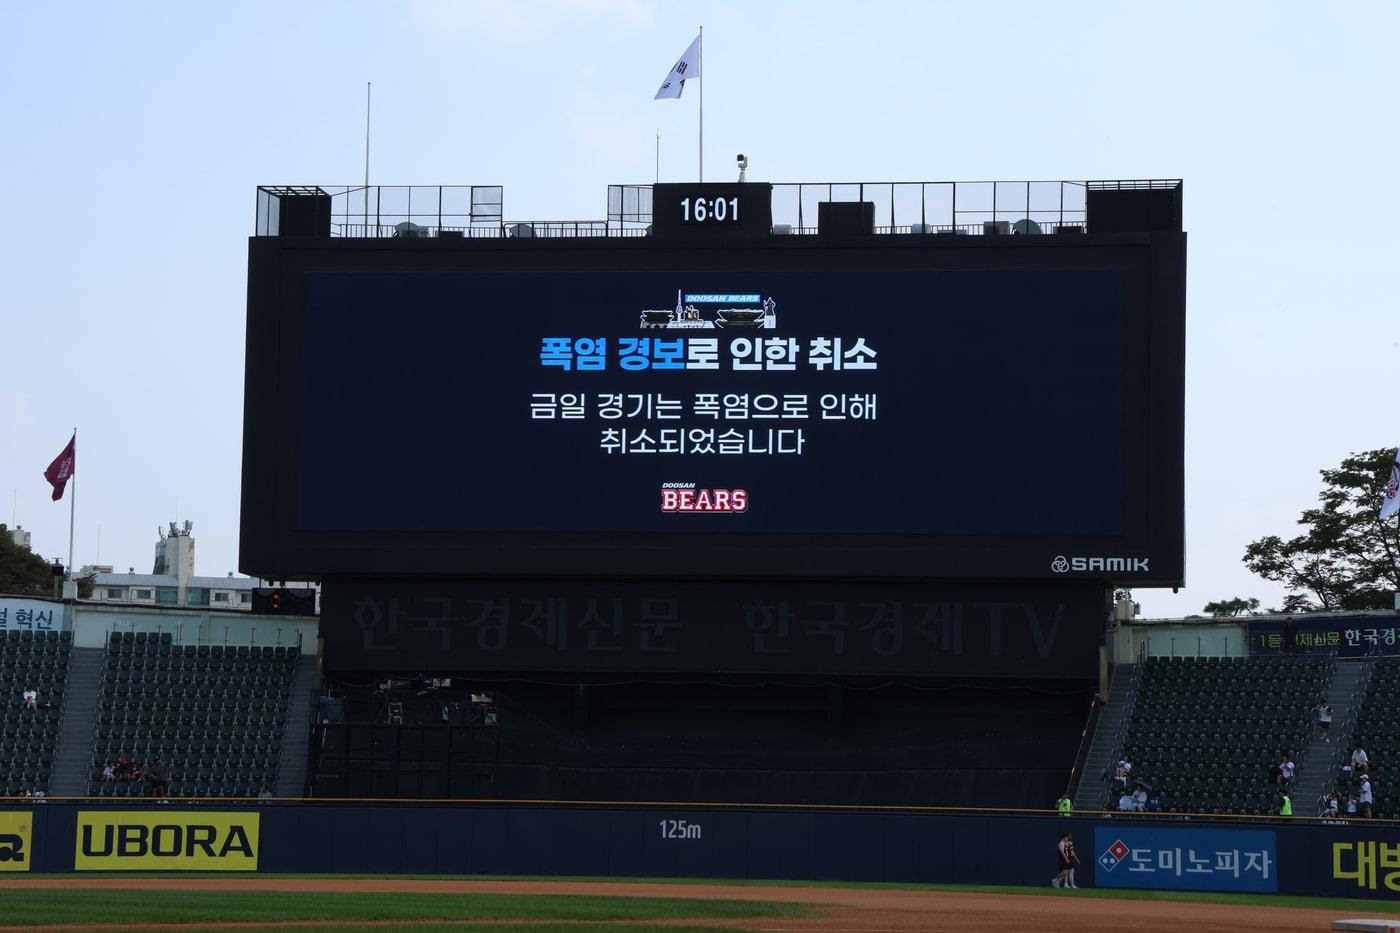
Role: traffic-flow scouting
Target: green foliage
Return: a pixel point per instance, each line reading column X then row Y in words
column 1231, row 607
column 1346, row 558
column 85, row 584
column 22, row 572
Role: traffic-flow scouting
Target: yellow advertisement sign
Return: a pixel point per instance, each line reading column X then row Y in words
column 180, row 840
column 16, row 830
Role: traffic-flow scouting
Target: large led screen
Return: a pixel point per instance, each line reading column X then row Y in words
column 939, row 413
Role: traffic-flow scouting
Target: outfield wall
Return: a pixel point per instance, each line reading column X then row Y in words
column 1360, row 860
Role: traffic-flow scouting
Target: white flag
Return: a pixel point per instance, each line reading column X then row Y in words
column 688, row 67
column 1391, row 504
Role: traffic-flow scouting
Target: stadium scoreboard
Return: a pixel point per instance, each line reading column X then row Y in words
column 699, row 405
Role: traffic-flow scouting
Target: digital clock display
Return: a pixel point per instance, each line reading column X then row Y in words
column 721, row 209
column 710, row 210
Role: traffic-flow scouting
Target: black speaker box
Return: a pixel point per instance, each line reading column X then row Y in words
column 845, row 218
column 304, row 215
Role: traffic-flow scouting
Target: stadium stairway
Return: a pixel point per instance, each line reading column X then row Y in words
column 1115, row 714
column 74, row 750
column 291, row 768
column 1319, row 761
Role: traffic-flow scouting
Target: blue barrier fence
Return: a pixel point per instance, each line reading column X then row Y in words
column 1357, row 860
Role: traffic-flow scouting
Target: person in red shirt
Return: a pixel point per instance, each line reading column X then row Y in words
column 1072, row 858
column 1064, row 849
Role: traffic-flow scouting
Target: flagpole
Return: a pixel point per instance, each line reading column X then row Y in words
column 702, row 102
column 72, row 504
column 368, row 86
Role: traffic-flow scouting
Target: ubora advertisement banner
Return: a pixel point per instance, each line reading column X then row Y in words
column 173, row 840
column 16, row 836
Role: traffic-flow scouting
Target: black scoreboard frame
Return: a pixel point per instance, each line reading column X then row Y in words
column 1149, row 553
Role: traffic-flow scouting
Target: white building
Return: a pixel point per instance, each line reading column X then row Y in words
column 162, row 589
column 172, row 581
column 20, row 537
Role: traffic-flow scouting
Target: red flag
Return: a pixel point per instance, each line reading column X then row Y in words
column 61, row 469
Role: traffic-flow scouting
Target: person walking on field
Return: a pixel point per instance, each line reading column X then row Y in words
column 1066, row 859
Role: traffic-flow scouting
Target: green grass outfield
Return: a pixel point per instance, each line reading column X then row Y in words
column 41, row 906
column 25, row 907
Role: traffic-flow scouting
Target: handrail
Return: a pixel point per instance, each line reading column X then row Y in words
column 1096, row 706
column 1098, row 813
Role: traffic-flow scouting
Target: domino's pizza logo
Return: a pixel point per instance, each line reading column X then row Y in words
column 1113, row 855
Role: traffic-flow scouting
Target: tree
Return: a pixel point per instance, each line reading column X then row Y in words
column 1346, row 558
column 1231, row 607
column 22, row 572
column 85, row 584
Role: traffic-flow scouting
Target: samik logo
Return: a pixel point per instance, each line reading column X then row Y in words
column 684, row 497
column 1062, row 564
column 14, row 840
column 143, row 841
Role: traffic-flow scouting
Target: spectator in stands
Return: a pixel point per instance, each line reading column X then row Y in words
column 1126, row 764
column 1285, row 802
column 109, row 773
column 1120, row 776
column 1365, row 800
column 1330, row 806
column 1063, row 806
column 1285, row 770
column 1324, row 720
column 136, row 772
column 1351, row 805
column 31, row 698
column 1359, row 761
column 158, row 778
column 264, row 792
column 1139, row 799
column 123, row 769
column 1125, row 802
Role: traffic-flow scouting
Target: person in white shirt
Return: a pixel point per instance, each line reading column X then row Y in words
column 1358, row 759
column 1324, row 720
column 1285, row 770
column 31, row 698
column 1351, row 805
column 1140, row 799
column 1125, row 802
column 1365, row 799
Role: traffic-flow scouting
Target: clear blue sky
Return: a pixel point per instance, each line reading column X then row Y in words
column 134, row 136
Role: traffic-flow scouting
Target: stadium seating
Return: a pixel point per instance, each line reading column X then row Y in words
column 951, row 744
column 1377, row 730
column 28, row 737
column 1206, row 733
column 215, row 714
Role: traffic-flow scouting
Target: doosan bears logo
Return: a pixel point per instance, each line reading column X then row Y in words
column 685, row 497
